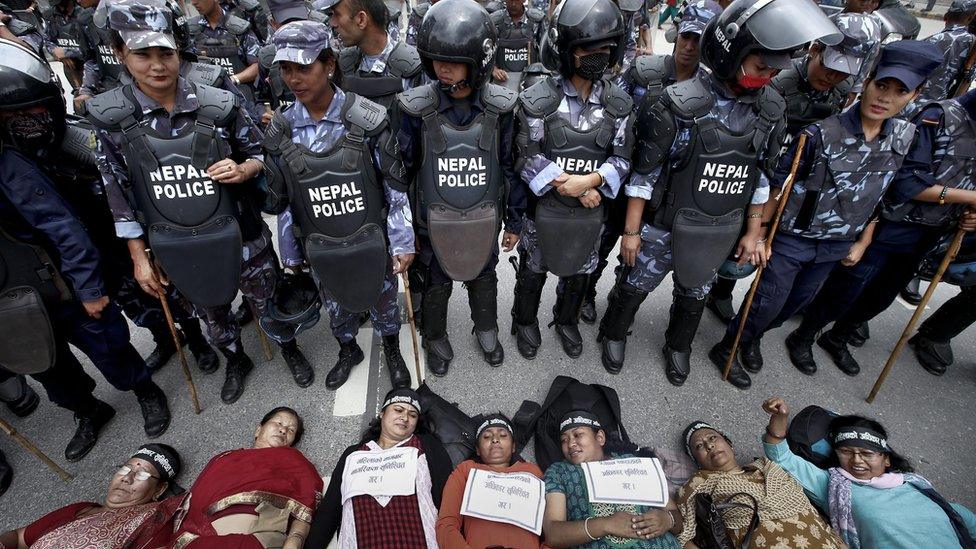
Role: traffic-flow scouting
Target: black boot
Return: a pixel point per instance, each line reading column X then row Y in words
column 719, row 355
column 6, row 474
column 835, row 343
column 155, row 409
column 418, row 274
column 750, row 355
column 910, row 292
column 164, row 349
column 350, row 354
column 686, row 313
column 399, row 374
column 243, row 315
column 301, row 370
column 588, row 310
column 19, row 397
column 90, row 423
column 622, row 305
column 203, row 353
column 799, row 346
column 934, row 356
column 439, row 352
column 566, row 314
column 525, row 310
column 239, row 365
column 860, row 335
column 483, row 299
column 721, row 307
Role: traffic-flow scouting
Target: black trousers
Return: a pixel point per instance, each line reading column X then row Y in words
column 952, row 318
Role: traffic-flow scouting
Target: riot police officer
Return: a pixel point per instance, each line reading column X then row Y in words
column 519, row 31
column 926, row 201
column 373, row 65
column 63, row 34
column 18, row 31
column 184, row 185
column 956, row 42
column 848, row 162
column 254, row 12
column 228, row 41
column 699, row 163
column 54, row 293
column 456, row 138
column 815, row 87
column 575, row 148
column 329, row 140
column 416, row 17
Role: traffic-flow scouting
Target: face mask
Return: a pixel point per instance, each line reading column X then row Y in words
column 31, row 133
column 751, row 82
column 592, row 66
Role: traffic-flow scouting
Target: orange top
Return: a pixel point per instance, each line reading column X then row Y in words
column 456, row 531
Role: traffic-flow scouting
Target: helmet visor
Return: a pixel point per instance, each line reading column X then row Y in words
column 23, row 61
column 788, row 24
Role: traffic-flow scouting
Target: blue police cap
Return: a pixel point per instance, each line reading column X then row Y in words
column 301, row 41
column 962, row 6
column 909, row 61
column 285, row 11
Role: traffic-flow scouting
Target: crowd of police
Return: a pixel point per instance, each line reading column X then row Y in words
column 548, row 129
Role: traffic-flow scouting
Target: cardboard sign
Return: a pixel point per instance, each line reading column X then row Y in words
column 628, row 481
column 391, row 472
column 518, row 499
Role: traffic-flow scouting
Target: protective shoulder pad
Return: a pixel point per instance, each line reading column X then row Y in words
column 195, row 25
column 690, row 98
column 277, row 132
column 349, row 59
column 266, row 56
column 363, row 113
column 787, row 82
column 630, row 6
column 542, row 98
column 107, row 110
column 79, row 142
column 249, row 5
column 650, row 70
column 616, row 102
column 535, row 15
column 493, row 6
column 203, row 73
column 20, row 28
column 404, row 61
column 215, row 103
column 237, row 26
column 845, row 87
column 421, row 9
column 418, row 101
column 771, row 104
column 497, row 17
column 498, row 98
column 902, row 135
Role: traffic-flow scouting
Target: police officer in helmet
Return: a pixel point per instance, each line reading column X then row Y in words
column 456, row 138
column 53, row 289
column 575, row 145
column 701, row 150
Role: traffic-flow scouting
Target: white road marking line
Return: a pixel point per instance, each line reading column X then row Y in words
column 908, row 305
column 350, row 399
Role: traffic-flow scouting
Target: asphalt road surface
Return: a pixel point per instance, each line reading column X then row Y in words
column 926, row 415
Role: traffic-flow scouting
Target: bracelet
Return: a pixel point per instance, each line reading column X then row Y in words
column 942, row 195
column 632, row 233
column 774, row 435
column 298, row 535
column 586, row 528
column 671, row 516
column 755, row 215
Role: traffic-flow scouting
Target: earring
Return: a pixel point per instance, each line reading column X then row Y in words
column 330, row 75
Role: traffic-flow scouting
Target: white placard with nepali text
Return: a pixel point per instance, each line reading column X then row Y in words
column 390, row 472
column 518, row 499
column 627, row 481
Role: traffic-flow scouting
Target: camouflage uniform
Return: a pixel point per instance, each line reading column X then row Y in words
column 25, row 31
column 955, row 41
column 323, row 135
column 871, row 29
column 248, row 48
column 64, row 30
column 413, row 22
column 241, row 140
column 538, row 171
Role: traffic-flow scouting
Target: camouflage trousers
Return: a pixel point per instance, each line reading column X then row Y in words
column 145, row 310
column 530, row 250
column 654, row 262
column 259, row 272
column 384, row 314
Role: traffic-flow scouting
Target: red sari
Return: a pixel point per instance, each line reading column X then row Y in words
column 238, row 482
column 121, row 528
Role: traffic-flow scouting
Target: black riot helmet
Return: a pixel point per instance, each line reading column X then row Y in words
column 293, row 309
column 589, row 23
column 762, row 26
column 458, row 31
column 26, row 82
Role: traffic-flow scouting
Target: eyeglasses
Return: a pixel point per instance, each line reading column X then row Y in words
column 866, row 455
column 139, row 476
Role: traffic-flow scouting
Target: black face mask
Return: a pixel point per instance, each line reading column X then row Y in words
column 30, row 133
column 592, row 66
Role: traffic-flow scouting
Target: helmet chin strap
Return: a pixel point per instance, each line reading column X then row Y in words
column 455, row 87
